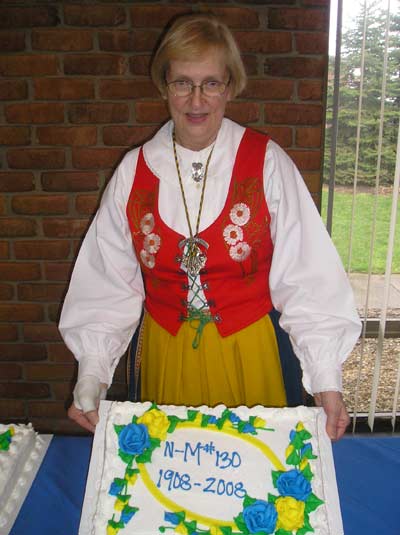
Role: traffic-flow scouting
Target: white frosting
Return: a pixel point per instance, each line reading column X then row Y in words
column 213, row 469
column 16, row 463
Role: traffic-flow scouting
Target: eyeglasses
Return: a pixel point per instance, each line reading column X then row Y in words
column 184, row 88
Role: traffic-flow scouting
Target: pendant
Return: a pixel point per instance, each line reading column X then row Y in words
column 197, row 171
column 193, row 258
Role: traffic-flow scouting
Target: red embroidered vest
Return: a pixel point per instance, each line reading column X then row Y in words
column 236, row 274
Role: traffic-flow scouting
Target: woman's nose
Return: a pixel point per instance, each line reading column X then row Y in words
column 196, row 95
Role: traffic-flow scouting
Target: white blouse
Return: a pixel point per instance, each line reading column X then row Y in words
column 307, row 282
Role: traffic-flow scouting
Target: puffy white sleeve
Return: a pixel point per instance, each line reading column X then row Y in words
column 104, row 301
column 307, row 281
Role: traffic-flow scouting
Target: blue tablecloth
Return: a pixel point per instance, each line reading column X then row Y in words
column 367, row 468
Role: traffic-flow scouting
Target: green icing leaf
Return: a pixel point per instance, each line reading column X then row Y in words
column 118, row 428
column 204, row 420
column 297, row 442
column 129, row 509
column 248, row 500
column 272, row 498
column 161, row 529
column 181, row 515
column 145, row 457
column 155, row 443
column 191, row 526
column 120, row 482
column 239, row 521
column 275, row 474
column 114, row 524
column 192, row 415
column 293, row 458
column 226, row 530
column 304, row 434
column 312, row 503
column 126, row 457
column 173, row 422
column 283, row 532
column 307, row 473
column 130, row 471
column 252, row 420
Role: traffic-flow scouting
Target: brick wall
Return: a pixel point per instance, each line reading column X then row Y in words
column 74, row 96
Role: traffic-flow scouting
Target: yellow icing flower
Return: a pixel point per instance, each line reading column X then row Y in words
column 214, row 530
column 131, row 479
column 289, row 450
column 300, row 426
column 157, row 423
column 12, row 431
column 181, row 529
column 303, row 464
column 259, row 422
column 112, row 531
column 290, row 513
column 120, row 503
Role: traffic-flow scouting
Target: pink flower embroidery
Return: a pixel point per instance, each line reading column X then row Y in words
column 240, row 251
column 151, row 243
column 147, row 223
column 240, row 214
column 233, row 234
column 147, row 259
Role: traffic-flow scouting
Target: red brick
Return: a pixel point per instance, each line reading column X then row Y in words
column 60, row 39
column 42, row 249
column 312, row 42
column 293, row 114
column 14, row 181
column 298, row 19
column 50, row 409
column 19, row 271
column 40, row 292
column 8, row 333
column 11, row 135
column 62, row 390
column 67, row 135
column 35, row 113
column 60, row 353
column 51, row 372
column 54, row 311
column 12, row 408
column 127, row 135
column 313, row 181
column 21, row 312
column 308, row 137
column 100, row 112
column 22, row 352
column 243, row 112
column 57, row 271
column 307, row 160
column 323, row 3
column 238, row 17
column 155, row 16
column 13, row 89
column 264, row 42
column 3, row 207
column 70, row 181
column 250, row 65
column 140, row 65
column 128, row 40
column 87, row 204
column 269, row 89
column 24, row 390
column 97, row 15
column 42, row 332
column 17, row 227
column 10, row 371
column 28, row 17
column 28, row 65
column 63, row 89
column 296, row 67
column 12, row 41
column 95, row 64
column 6, row 292
column 64, row 228
column 151, row 111
column 39, row 204
column 127, row 89
column 97, row 158
column 310, row 90
column 4, row 249
column 36, row 158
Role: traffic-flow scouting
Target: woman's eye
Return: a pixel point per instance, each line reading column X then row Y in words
column 182, row 83
column 212, row 84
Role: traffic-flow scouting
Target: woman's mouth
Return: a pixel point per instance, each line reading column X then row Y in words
column 196, row 118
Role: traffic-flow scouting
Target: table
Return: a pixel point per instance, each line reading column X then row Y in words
column 368, row 476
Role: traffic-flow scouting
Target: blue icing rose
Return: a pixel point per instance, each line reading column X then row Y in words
column 294, row 484
column 248, row 428
column 260, row 516
column 172, row 517
column 233, row 418
column 127, row 515
column 115, row 489
column 305, row 448
column 292, row 435
column 134, row 439
column 212, row 420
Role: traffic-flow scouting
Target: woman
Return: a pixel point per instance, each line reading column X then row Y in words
column 223, row 230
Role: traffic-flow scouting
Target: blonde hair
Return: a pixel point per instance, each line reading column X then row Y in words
column 191, row 37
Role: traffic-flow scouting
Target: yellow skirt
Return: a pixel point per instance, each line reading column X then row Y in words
column 241, row 369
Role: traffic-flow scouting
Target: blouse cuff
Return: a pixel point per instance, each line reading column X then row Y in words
column 328, row 378
column 97, row 366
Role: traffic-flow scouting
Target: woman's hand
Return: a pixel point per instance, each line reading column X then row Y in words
column 87, row 395
column 336, row 412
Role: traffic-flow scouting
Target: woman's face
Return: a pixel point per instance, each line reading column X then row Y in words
column 197, row 118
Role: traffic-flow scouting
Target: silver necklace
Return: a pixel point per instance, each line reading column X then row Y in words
column 197, row 171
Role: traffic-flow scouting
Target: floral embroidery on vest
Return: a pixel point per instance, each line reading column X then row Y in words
column 241, row 232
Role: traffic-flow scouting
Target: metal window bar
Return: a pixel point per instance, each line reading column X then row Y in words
column 383, row 315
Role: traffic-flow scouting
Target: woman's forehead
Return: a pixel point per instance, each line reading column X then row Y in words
column 213, row 65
